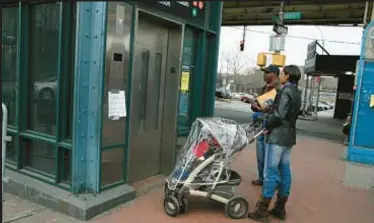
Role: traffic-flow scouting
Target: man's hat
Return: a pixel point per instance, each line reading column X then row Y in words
column 271, row 69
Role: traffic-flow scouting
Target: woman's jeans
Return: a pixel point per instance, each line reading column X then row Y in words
column 260, row 153
column 277, row 171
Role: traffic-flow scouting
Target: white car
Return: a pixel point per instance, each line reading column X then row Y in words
column 46, row 89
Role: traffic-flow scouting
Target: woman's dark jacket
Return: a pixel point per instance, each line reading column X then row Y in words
column 282, row 121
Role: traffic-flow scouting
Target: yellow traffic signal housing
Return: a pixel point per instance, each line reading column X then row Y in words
column 279, row 60
column 261, row 59
column 276, row 59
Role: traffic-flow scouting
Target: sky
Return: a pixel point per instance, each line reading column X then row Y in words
column 336, row 41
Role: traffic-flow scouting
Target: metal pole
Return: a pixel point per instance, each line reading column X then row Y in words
column 311, row 92
column 318, row 90
column 5, row 138
column 323, row 38
column 364, row 22
column 281, row 11
column 3, row 148
column 305, row 107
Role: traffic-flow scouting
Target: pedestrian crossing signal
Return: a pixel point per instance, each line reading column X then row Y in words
column 242, row 45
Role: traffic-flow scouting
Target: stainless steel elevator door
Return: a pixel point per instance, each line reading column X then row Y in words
column 147, row 99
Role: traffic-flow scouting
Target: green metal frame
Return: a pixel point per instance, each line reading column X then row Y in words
column 20, row 132
column 60, row 141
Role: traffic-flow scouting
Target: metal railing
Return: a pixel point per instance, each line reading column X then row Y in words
column 5, row 138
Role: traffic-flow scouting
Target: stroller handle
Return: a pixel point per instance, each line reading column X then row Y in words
column 247, row 128
column 256, row 135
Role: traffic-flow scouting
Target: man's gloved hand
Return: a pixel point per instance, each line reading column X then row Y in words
column 272, row 124
column 257, row 115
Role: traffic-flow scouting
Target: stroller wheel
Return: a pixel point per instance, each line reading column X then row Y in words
column 171, row 206
column 184, row 206
column 237, row 207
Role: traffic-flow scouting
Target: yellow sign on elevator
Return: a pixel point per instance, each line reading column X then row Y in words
column 371, row 101
column 185, row 81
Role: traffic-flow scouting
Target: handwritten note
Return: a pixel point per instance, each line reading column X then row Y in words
column 117, row 105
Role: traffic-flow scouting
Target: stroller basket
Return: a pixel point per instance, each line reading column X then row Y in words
column 234, row 180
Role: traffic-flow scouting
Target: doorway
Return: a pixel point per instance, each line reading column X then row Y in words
column 153, row 106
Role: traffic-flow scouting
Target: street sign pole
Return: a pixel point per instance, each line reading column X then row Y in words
column 277, row 42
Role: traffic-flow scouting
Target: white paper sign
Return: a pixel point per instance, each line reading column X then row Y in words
column 117, row 105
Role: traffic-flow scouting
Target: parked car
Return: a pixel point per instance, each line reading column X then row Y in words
column 223, row 93
column 236, row 95
column 323, row 107
column 329, row 105
column 247, row 98
column 46, row 89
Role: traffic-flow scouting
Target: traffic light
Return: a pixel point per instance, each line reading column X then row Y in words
column 197, row 5
column 242, row 45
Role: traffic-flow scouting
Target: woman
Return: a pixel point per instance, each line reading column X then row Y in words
column 280, row 138
column 271, row 74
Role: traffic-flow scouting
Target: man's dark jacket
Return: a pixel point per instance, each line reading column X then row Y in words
column 282, row 120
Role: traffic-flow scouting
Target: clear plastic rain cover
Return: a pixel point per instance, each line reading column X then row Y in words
column 208, row 136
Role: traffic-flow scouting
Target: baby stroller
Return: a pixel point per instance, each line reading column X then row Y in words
column 202, row 167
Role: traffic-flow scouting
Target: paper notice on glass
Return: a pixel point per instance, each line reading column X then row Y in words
column 116, row 104
column 185, row 81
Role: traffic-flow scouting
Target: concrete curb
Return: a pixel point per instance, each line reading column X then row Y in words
column 82, row 207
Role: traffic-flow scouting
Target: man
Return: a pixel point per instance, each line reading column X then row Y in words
column 280, row 138
column 271, row 74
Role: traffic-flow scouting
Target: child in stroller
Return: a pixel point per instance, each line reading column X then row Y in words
column 202, row 167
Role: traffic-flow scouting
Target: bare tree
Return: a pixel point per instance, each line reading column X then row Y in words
column 232, row 66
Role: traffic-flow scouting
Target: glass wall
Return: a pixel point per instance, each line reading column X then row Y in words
column 38, row 82
column 116, row 80
column 188, row 68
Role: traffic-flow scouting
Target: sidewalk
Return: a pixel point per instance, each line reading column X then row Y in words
column 325, row 189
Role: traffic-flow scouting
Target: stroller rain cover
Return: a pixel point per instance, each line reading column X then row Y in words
column 221, row 136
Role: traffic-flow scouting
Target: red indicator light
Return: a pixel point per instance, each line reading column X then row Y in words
column 194, row 4
column 201, row 5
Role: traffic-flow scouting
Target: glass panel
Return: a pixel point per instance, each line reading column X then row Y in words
column 143, row 86
column 9, row 62
column 66, row 165
column 116, row 68
column 44, row 55
column 71, row 64
column 188, row 65
column 112, row 166
column 39, row 155
column 11, row 149
column 157, row 81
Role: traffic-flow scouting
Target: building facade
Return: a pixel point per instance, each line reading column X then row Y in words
column 100, row 93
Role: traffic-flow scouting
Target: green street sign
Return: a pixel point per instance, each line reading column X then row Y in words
column 292, row 15
column 288, row 16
